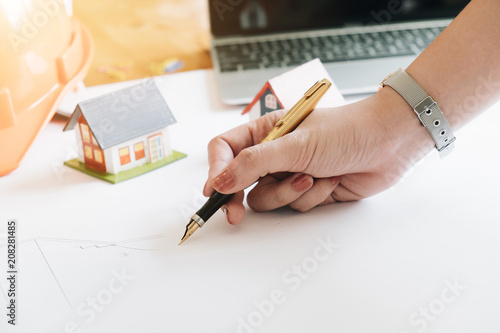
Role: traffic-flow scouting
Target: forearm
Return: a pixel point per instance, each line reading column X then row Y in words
column 461, row 68
column 358, row 150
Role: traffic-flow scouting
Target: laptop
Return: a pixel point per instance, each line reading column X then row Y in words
column 359, row 41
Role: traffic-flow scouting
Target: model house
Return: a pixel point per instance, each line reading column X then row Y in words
column 283, row 91
column 122, row 131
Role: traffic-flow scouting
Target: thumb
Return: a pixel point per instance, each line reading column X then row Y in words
column 257, row 161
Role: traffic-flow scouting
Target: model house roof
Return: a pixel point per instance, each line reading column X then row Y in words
column 124, row 114
column 290, row 86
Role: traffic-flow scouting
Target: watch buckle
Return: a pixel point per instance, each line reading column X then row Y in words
column 424, row 105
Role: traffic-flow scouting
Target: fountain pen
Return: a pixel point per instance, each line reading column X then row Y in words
column 285, row 125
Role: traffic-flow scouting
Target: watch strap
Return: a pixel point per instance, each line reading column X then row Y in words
column 427, row 110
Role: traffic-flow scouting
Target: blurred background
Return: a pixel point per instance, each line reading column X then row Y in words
column 134, row 41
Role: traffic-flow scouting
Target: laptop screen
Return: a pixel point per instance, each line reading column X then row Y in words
column 251, row 17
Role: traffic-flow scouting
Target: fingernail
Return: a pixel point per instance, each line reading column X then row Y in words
column 224, row 181
column 301, row 183
column 335, row 181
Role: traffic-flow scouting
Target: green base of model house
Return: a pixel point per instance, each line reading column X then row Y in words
column 127, row 174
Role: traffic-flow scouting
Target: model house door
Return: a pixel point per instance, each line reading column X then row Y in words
column 156, row 151
column 93, row 155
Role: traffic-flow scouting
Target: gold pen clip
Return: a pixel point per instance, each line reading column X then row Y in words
column 316, row 86
column 299, row 111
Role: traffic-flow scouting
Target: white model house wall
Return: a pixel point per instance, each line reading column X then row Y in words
column 112, row 155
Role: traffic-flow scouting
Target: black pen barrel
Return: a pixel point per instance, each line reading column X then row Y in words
column 216, row 201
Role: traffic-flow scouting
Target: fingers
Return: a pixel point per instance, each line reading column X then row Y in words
column 271, row 193
column 342, row 193
column 220, row 154
column 300, row 191
column 234, row 209
column 257, row 161
column 223, row 148
column 277, row 184
column 354, row 187
column 319, row 194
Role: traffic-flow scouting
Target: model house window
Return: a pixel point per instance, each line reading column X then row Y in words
column 271, row 102
column 88, row 153
column 94, row 140
column 85, row 132
column 139, row 150
column 124, row 155
column 98, row 156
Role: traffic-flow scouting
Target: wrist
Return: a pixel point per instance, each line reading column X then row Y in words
column 405, row 139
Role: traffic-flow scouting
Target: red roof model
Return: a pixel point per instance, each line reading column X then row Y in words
column 283, row 91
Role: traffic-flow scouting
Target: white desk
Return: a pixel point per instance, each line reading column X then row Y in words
column 395, row 254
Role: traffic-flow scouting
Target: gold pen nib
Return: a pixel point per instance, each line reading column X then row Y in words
column 190, row 229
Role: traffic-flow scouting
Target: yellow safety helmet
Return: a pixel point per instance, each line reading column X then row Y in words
column 44, row 53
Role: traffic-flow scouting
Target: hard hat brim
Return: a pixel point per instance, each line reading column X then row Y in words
column 73, row 65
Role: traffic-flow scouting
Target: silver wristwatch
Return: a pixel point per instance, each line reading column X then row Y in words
column 425, row 107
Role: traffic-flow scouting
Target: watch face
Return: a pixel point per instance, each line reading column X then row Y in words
column 389, row 76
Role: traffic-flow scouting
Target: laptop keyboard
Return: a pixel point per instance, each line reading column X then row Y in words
column 333, row 48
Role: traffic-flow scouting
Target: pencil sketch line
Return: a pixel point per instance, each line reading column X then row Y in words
column 69, row 240
column 140, row 239
column 116, row 245
column 50, row 268
column 135, row 248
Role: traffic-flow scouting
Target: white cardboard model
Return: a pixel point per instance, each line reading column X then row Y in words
column 123, row 130
column 283, row 91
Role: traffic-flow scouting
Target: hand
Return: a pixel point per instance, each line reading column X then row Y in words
column 339, row 154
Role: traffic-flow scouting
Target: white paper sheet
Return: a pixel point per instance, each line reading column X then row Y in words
column 428, row 244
